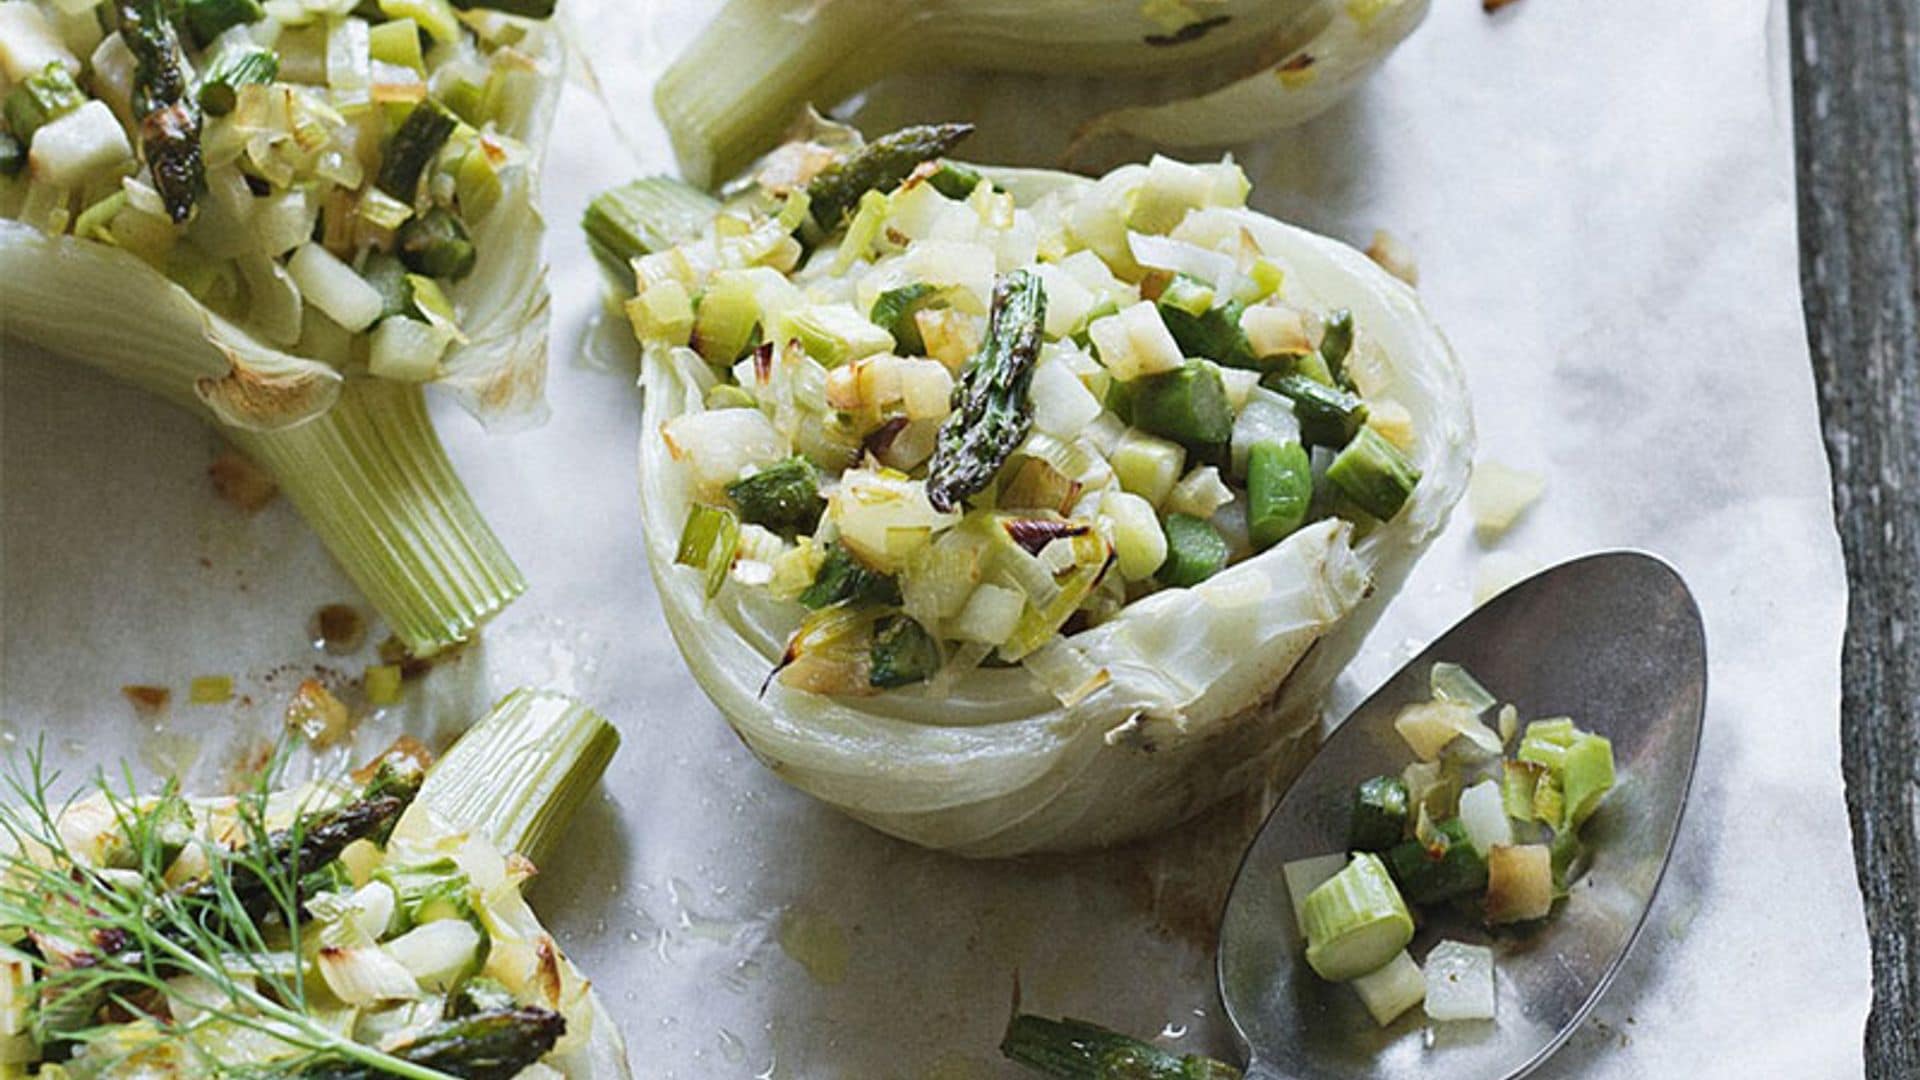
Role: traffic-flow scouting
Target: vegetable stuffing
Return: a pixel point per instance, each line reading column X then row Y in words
column 1468, row 825
column 1059, row 463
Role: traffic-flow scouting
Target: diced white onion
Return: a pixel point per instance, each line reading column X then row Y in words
column 1062, row 405
column 1213, row 267
column 283, row 222
column 869, row 505
column 365, row 976
column 1199, row 493
column 1498, row 494
column 1135, row 342
column 1266, row 417
column 1240, row 384
column 438, row 953
column 716, row 446
column 1273, row 330
column 1484, row 817
column 28, row 42
column 1395, row 987
column 926, row 389
column 1431, row 726
column 1068, row 301
column 1459, row 982
column 78, row 147
column 333, row 287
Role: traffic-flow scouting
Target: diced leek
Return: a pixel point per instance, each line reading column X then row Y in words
column 518, row 776
column 406, row 350
column 1451, row 682
column 1355, row 921
column 643, row 216
column 1429, row 726
column 862, row 231
column 1519, row 884
column 1195, row 551
column 989, row 617
column 835, row 334
column 381, row 684
column 707, row 543
column 210, row 689
column 725, row 317
column 1586, row 775
column 1040, row 621
column 1459, row 982
column 1391, row 989
column 1518, row 780
column 397, row 41
column 1148, row 466
column 436, row 17
column 662, row 312
column 1305, row 875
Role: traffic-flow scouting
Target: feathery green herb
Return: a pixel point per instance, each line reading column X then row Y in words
column 99, row 937
column 991, row 410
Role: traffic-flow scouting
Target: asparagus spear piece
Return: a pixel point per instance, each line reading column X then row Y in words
column 321, row 838
column 991, row 410
column 229, row 70
column 169, row 119
column 526, row 9
column 421, row 135
column 878, row 166
column 492, row 1045
column 1077, row 1050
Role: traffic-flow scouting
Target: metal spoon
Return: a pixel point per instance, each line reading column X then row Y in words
column 1613, row 640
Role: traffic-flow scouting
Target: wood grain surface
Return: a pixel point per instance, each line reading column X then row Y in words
column 1856, row 75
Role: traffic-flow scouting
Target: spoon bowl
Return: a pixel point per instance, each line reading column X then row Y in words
column 1613, row 640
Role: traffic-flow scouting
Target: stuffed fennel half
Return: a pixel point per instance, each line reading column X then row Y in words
column 1270, row 63
column 331, row 930
column 289, row 217
column 1011, row 510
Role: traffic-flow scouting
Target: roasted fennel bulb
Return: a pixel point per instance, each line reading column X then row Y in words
column 328, row 931
column 753, row 70
column 252, row 210
column 1022, row 511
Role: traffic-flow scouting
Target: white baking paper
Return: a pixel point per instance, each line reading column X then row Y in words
column 1600, row 198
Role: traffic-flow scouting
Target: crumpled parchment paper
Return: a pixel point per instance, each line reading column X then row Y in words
column 1600, row 200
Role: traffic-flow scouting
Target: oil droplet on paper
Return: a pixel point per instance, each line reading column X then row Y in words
column 1173, row 1031
column 732, row 1047
column 816, row 943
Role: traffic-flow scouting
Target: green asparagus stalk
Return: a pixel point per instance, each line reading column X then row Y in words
column 784, row 495
column 421, row 135
column 437, row 244
column 520, row 774
column 492, row 1045
column 641, row 217
column 292, row 854
column 1374, row 474
column 526, row 9
column 991, row 413
column 1077, row 1050
column 169, row 119
column 878, row 166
